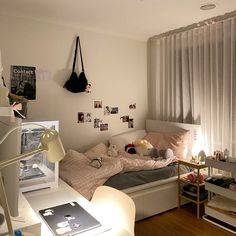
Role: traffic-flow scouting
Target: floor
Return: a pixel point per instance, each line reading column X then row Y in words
column 178, row 222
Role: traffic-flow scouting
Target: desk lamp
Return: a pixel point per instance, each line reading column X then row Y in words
column 50, row 142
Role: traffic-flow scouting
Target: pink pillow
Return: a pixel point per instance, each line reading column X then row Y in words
column 178, row 142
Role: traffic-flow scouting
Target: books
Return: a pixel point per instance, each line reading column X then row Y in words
column 68, row 219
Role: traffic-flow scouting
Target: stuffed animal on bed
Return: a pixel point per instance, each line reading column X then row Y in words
column 113, row 151
column 144, row 148
column 163, row 153
column 130, row 148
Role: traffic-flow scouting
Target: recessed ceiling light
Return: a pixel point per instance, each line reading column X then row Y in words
column 208, row 6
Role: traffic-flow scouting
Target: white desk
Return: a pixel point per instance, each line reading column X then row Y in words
column 27, row 220
column 45, row 198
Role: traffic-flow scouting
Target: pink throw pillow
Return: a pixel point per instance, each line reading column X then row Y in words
column 178, row 142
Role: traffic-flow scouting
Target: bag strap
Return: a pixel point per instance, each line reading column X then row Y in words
column 3, row 81
column 73, row 68
column 81, row 58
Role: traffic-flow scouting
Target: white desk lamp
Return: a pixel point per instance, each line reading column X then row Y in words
column 50, row 142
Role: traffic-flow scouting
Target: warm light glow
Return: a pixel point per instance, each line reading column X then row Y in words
column 198, row 143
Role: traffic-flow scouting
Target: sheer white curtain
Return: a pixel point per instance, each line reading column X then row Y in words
column 192, row 79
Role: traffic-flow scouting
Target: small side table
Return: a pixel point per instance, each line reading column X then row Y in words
column 198, row 183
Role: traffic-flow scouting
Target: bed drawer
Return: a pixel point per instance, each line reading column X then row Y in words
column 157, row 199
column 160, row 199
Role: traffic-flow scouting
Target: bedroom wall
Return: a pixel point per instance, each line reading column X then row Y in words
column 115, row 66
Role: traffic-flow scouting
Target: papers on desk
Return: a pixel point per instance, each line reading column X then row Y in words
column 69, row 219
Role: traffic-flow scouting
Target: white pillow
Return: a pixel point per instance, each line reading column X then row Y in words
column 120, row 140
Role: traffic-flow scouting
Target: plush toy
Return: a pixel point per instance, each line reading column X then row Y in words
column 143, row 147
column 164, row 153
column 112, row 150
column 130, row 148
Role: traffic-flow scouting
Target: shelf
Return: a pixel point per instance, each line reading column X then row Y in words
column 219, row 190
column 220, row 214
column 192, row 200
column 192, row 164
column 222, row 218
column 185, row 180
column 222, row 165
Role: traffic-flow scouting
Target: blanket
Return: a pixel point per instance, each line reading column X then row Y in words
column 75, row 168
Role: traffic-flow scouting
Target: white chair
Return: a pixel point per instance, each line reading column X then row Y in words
column 115, row 207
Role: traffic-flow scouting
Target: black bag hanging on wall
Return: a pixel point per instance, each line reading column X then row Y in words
column 77, row 84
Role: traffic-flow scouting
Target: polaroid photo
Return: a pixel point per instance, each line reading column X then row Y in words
column 125, row 118
column 97, row 122
column 107, row 110
column 131, row 123
column 97, row 104
column 114, row 110
column 132, row 106
column 103, row 127
column 87, row 117
column 80, row 117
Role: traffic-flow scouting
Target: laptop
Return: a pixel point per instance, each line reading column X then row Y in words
column 68, row 219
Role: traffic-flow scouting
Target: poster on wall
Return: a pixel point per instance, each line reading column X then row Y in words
column 23, row 81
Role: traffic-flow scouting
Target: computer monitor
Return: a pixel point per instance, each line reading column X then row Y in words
column 10, row 148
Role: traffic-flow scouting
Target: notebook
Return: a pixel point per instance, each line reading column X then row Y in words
column 68, row 219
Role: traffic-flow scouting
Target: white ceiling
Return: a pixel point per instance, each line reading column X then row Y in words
column 137, row 19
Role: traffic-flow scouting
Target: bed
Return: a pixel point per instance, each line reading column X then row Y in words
column 151, row 197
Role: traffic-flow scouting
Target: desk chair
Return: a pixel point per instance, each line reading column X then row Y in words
column 115, row 207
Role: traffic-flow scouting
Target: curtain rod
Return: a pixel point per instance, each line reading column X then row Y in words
column 195, row 25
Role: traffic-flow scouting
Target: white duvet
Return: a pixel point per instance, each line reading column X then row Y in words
column 75, row 168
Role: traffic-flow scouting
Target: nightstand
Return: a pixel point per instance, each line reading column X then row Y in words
column 196, row 196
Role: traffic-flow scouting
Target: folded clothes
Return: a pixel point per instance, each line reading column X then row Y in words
column 222, row 181
column 193, row 196
column 193, row 188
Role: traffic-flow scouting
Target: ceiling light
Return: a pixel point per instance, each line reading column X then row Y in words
column 208, row 6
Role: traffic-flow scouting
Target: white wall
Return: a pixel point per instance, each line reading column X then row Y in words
column 115, row 66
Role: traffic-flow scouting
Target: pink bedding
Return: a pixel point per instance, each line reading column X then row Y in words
column 75, row 168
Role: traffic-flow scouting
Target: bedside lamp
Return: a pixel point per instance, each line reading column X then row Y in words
column 50, row 142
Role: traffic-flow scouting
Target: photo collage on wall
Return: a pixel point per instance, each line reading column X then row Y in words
column 84, row 117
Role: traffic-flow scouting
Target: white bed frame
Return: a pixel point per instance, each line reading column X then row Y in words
column 159, row 196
